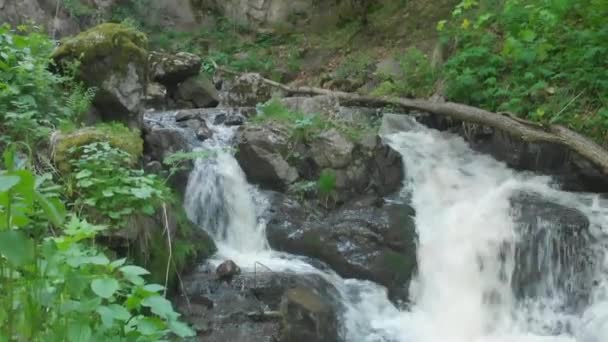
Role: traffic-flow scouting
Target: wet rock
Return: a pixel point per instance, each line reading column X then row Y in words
column 248, row 307
column 171, row 69
column 330, row 149
column 203, row 132
column 307, row 317
column 247, row 91
column 230, row 119
column 553, row 236
column 365, row 239
column 198, row 91
column 113, row 58
column 261, row 151
column 227, row 270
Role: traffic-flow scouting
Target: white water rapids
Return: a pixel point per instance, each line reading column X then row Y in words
column 462, row 292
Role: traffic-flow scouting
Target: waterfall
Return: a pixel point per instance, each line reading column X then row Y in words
column 470, row 250
column 470, row 247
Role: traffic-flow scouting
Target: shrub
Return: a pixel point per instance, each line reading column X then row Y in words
column 62, row 287
column 416, row 77
column 103, row 183
column 33, row 100
column 544, row 60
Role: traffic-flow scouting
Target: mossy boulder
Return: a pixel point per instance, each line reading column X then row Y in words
column 117, row 135
column 114, row 59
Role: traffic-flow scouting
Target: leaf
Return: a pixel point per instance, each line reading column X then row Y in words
column 142, row 193
column 53, row 209
column 113, row 312
column 104, row 287
column 16, row 247
column 134, row 270
column 181, row 329
column 84, row 174
column 160, row 306
column 118, row 263
column 79, row 331
column 8, row 182
column 150, row 326
column 154, row 288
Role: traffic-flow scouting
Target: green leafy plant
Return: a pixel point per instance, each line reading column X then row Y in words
column 356, row 66
column 103, row 183
column 61, row 287
column 416, row 77
column 33, row 100
column 327, row 182
column 543, row 60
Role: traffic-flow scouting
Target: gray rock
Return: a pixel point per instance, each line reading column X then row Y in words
column 199, row 91
column 171, row 69
column 330, row 149
column 328, row 105
column 261, row 151
column 247, row 91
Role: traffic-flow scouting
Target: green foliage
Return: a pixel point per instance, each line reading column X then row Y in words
column 61, row 287
column 131, row 13
column 355, row 66
column 77, row 8
column 225, row 45
column 416, row 77
column 327, row 182
column 104, row 184
column 303, row 127
column 33, row 100
column 545, row 60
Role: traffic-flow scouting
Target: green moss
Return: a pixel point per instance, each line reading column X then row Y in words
column 118, row 135
column 115, row 43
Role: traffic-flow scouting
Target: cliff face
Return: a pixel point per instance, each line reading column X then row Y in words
column 61, row 18
column 45, row 13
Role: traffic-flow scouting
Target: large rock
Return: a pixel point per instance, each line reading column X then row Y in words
column 247, row 90
column 364, row 240
column 113, row 58
column 261, row 151
column 197, row 92
column 171, row 69
column 330, row 149
column 248, row 307
column 160, row 143
column 553, row 236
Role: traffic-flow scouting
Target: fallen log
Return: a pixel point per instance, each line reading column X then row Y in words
column 507, row 122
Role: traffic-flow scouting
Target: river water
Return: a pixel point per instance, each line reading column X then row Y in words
column 466, row 250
